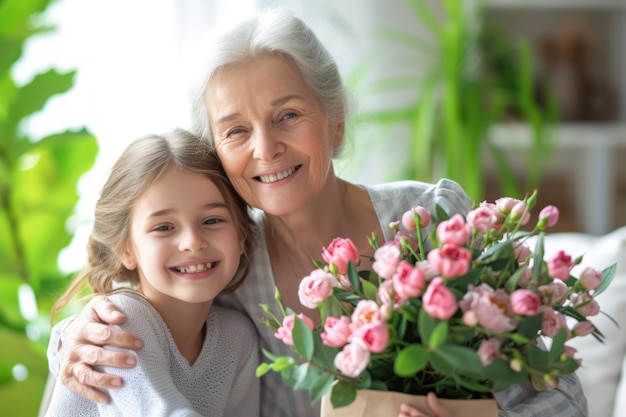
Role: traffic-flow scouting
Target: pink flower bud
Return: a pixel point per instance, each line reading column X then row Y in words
column 450, row 260
column 284, row 332
column 353, row 359
column 439, row 302
column 525, row 302
column 454, row 231
column 374, row 336
column 315, row 288
column 590, row 278
column 560, row 265
column 408, row 218
column 339, row 253
column 549, row 215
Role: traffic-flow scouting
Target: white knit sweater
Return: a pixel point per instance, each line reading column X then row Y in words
column 221, row 382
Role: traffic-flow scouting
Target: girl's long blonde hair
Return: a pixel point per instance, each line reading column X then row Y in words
column 142, row 163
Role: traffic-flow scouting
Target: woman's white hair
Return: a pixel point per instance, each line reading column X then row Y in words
column 273, row 31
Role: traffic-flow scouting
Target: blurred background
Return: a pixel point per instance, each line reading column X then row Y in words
column 504, row 96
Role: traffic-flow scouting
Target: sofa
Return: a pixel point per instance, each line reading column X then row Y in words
column 603, row 369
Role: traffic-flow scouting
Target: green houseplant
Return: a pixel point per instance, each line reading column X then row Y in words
column 38, row 178
column 465, row 78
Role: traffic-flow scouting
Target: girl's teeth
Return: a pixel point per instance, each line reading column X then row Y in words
column 190, row 269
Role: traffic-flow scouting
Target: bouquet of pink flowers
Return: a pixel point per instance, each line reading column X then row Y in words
column 463, row 310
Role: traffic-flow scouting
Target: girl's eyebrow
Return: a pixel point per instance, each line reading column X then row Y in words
column 165, row 212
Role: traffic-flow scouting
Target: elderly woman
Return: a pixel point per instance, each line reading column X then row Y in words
column 272, row 101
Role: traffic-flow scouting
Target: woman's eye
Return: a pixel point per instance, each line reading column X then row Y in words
column 289, row 116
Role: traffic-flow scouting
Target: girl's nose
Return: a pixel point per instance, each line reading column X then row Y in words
column 192, row 240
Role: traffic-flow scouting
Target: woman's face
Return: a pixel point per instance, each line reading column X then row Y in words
column 272, row 134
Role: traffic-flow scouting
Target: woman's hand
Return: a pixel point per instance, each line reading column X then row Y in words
column 435, row 409
column 80, row 349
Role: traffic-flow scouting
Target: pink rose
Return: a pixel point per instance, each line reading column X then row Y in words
column 586, row 305
column 284, row 332
column 453, row 231
column 525, row 302
column 583, row 328
column 386, row 260
column 408, row 281
column 560, row 265
column 315, row 288
column 505, row 204
column 439, row 302
column 401, row 236
column 526, row 277
column 482, row 219
column 488, row 308
column 353, row 359
column 408, row 218
column 366, row 312
column 374, row 336
column 552, row 322
column 450, row 260
column 590, row 278
column 555, row 292
column 385, row 293
column 339, row 253
column 489, row 350
column 520, row 212
column 548, row 216
column 521, row 251
column 336, row 331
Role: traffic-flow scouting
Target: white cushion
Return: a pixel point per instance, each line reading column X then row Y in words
column 603, row 363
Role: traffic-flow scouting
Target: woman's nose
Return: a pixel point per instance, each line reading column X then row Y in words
column 266, row 146
column 192, row 240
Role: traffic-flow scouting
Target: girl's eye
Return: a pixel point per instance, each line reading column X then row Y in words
column 162, row 228
column 212, row 221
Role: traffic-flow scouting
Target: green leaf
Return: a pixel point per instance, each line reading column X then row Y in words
column 460, row 359
column 607, row 276
column 320, row 387
column 370, row 291
column 262, row 369
column 439, row 335
column 425, row 326
column 503, row 376
column 343, row 394
column 556, row 348
column 529, row 326
column 410, row 361
column 302, row 339
column 353, row 276
column 304, row 376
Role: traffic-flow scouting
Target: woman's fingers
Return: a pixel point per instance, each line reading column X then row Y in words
column 101, row 310
column 407, row 410
column 433, row 403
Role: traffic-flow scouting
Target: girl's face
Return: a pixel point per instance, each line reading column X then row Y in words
column 183, row 241
column 272, row 134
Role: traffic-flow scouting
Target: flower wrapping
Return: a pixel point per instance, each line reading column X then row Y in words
column 370, row 403
column 459, row 306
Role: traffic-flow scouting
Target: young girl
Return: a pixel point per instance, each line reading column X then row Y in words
column 169, row 235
